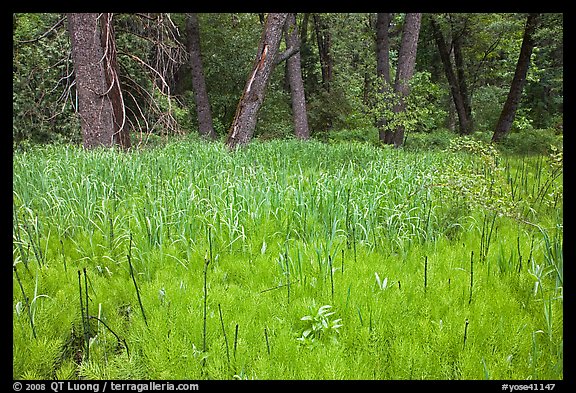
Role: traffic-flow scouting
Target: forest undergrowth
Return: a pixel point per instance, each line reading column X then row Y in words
column 287, row 260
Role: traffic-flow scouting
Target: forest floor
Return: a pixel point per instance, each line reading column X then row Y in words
column 287, row 260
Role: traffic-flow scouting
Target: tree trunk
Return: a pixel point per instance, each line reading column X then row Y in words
column 405, row 68
column 244, row 123
column 205, row 126
column 383, row 68
column 323, row 38
column 457, row 97
column 100, row 103
column 293, row 67
column 383, row 46
column 509, row 110
column 462, row 85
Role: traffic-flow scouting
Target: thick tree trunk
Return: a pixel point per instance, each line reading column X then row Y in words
column 100, row 103
column 383, row 68
column 509, row 110
column 293, row 67
column 457, row 97
column 205, row 126
column 405, row 68
column 244, row 123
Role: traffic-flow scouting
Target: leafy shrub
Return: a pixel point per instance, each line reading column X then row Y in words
column 439, row 139
column 328, row 111
column 422, row 106
column 487, row 106
column 532, row 141
column 368, row 134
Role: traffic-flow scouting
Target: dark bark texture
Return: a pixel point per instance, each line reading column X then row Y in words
column 383, row 46
column 405, row 68
column 462, row 109
column 324, row 40
column 100, row 103
column 244, row 122
column 383, row 67
column 511, row 105
column 299, row 113
column 205, row 125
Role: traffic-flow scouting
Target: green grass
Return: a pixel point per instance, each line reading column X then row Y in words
column 287, row 228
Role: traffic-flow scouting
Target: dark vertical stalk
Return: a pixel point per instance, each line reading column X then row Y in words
column 347, row 219
column 287, row 275
column 210, row 242
column 354, row 242
column 267, row 342
column 519, row 254
column 224, row 332
column 490, row 235
column 331, row 276
column 86, row 294
column 206, row 262
column 84, row 321
column 25, row 301
column 134, row 280
column 465, row 333
column 111, row 233
column 235, row 340
column 471, row 275
column 425, row 272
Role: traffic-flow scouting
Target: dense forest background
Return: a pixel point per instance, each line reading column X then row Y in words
column 343, row 89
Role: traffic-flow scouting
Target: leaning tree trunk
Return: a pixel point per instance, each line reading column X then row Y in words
column 299, row 113
column 205, row 125
column 457, row 97
column 462, row 85
column 509, row 110
column 244, row 123
column 100, row 102
column 405, row 68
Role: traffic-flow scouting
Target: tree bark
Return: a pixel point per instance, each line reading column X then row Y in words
column 383, row 46
column 462, row 85
column 383, row 68
column 511, row 105
column 405, row 68
column 457, row 97
column 244, row 123
column 323, row 38
column 293, row 66
column 108, row 40
column 205, row 125
column 100, row 103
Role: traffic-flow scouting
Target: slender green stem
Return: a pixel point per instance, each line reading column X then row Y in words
column 25, row 302
column 224, row 332
column 136, row 286
column 206, row 262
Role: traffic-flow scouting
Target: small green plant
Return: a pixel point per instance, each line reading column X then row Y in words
column 320, row 326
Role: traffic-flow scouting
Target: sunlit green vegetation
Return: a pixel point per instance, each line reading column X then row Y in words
column 287, row 260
